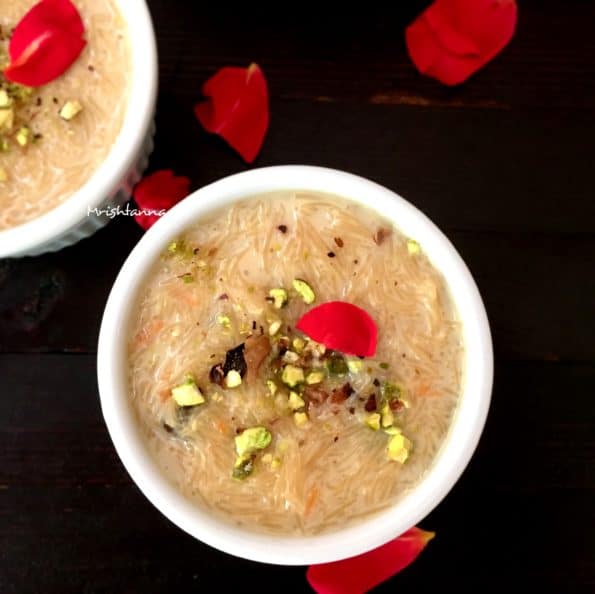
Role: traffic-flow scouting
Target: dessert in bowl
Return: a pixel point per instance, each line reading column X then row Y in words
column 295, row 365
column 74, row 145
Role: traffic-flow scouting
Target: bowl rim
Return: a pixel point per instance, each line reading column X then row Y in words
column 451, row 460
column 58, row 221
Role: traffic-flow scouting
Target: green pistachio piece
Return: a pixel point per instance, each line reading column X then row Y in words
column 316, row 376
column 354, row 365
column 413, row 247
column 298, row 344
column 252, row 439
column 304, row 290
column 279, row 297
column 292, row 375
column 272, row 386
column 295, row 401
column 300, row 418
column 398, row 448
column 6, row 119
column 70, row 110
column 337, row 365
column 233, row 379
column 23, row 136
column 243, row 467
column 187, row 393
column 373, row 421
column 387, row 416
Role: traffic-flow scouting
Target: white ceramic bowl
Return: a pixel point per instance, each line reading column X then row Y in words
column 466, row 426
column 112, row 182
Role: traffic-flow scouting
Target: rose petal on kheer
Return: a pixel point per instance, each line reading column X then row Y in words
column 341, row 326
column 45, row 43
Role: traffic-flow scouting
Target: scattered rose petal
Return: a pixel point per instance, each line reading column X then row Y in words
column 237, row 108
column 453, row 39
column 362, row 573
column 342, row 327
column 45, row 43
column 159, row 192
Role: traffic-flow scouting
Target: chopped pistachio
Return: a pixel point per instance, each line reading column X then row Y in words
column 187, row 393
column 267, row 458
column 392, row 430
column 300, row 418
column 384, row 365
column 315, row 376
column 337, row 365
column 387, row 416
column 275, row 463
column 224, row 320
column 243, row 467
column 6, row 119
column 3, row 175
column 354, row 365
column 315, row 348
column 391, row 391
column 413, row 247
column 19, row 92
column 187, row 278
column 252, row 439
column 290, row 357
column 272, row 386
column 295, row 401
column 292, row 375
column 279, row 297
column 398, row 448
column 175, row 247
column 70, row 110
column 233, row 379
column 304, row 290
column 274, row 327
column 373, row 421
column 5, row 100
column 298, row 344
column 23, row 135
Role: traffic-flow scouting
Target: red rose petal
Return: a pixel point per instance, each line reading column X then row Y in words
column 237, row 108
column 362, row 573
column 453, row 39
column 342, row 327
column 159, row 191
column 45, row 43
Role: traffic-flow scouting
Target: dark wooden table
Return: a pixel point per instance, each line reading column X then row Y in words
column 504, row 164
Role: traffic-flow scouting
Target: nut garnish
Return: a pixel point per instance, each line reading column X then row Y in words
column 70, row 110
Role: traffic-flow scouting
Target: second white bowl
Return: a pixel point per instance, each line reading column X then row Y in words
column 111, row 184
